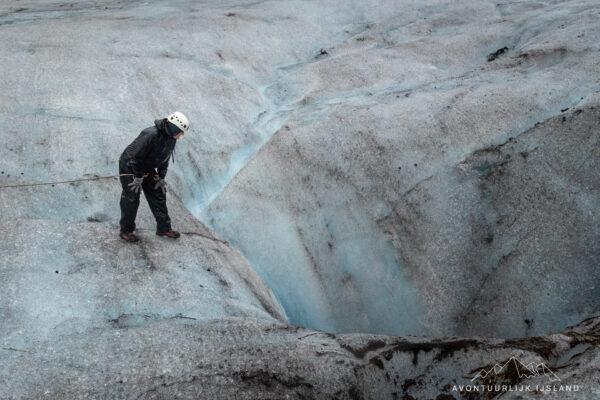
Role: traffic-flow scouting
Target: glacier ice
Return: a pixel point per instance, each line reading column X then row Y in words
column 375, row 169
column 323, row 134
column 384, row 231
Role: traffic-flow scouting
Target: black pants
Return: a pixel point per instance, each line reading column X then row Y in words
column 130, row 202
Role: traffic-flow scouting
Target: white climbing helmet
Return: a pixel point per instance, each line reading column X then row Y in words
column 179, row 120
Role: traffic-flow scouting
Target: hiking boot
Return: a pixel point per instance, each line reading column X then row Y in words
column 170, row 233
column 129, row 236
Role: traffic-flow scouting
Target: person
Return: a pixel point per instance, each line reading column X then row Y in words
column 146, row 159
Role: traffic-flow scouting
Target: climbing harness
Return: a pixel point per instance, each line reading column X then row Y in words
column 72, row 181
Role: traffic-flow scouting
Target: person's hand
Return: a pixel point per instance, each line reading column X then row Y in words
column 161, row 183
column 136, row 185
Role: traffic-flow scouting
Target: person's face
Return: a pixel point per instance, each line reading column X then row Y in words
column 180, row 134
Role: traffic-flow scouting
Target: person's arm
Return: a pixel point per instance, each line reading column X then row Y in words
column 162, row 169
column 137, row 151
column 164, row 166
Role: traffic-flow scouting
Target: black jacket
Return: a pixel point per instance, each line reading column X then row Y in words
column 151, row 149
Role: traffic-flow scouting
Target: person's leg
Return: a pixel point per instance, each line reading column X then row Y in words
column 130, row 201
column 157, row 200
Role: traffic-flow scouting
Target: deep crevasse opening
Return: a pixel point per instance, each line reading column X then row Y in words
column 360, row 284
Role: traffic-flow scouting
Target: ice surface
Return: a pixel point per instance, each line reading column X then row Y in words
column 357, row 153
column 57, row 273
column 246, row 358
column 384, row 232
column 317, row 117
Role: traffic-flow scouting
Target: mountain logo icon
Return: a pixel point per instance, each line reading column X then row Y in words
column 523, row 371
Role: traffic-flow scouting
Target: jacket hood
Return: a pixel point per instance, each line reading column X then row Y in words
column 161, row 126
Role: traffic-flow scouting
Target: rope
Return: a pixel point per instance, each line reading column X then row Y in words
column 72, row 181
column 193, row 234
column 95, row 179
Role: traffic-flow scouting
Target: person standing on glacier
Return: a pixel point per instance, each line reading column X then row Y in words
column 146, row 159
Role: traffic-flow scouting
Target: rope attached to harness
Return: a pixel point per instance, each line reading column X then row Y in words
column 72, row 181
